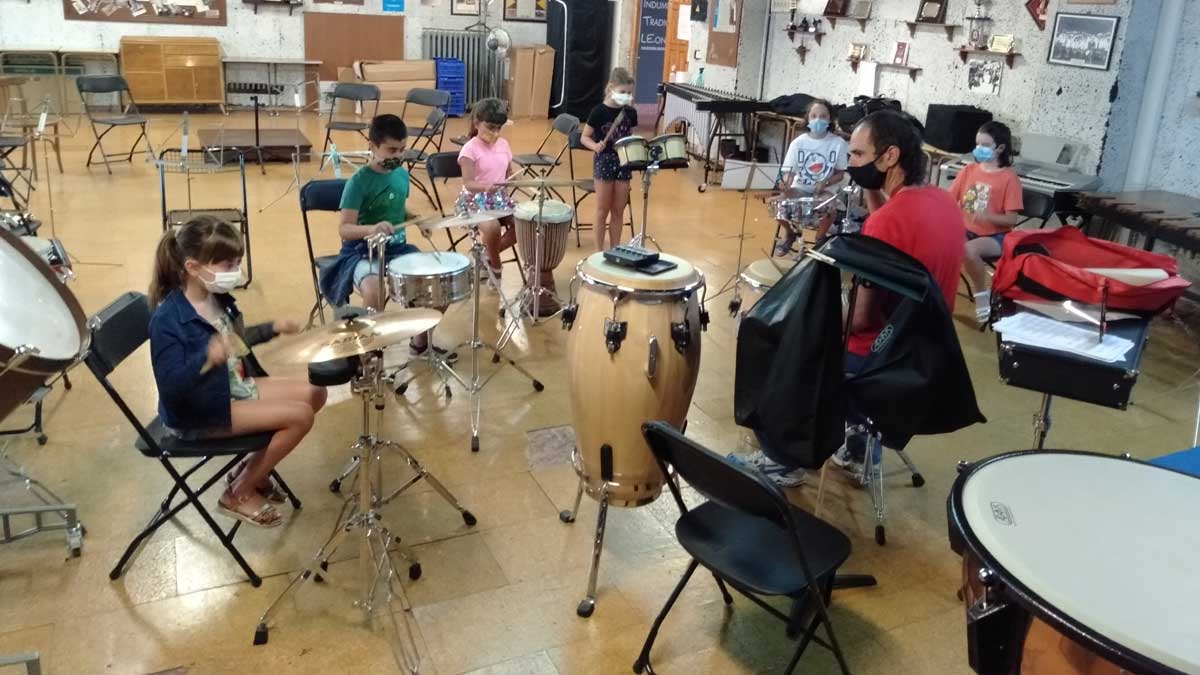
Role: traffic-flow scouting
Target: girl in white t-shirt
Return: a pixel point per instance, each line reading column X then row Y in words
column 816, row 160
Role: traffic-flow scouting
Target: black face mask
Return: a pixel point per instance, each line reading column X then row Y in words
column 391, row 163
column 868, row 176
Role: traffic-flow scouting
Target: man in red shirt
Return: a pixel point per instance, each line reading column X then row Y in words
column 887, row 162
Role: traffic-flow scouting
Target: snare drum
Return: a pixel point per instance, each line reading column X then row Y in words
column 669, row 149
column 633, row 152
column 42, row 326
column 803, row 212
column 429, row 279
column 634, row 354
column 1078, row 563
column 556, row 225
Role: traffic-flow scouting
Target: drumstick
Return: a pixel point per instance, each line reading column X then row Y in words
column 616, row 123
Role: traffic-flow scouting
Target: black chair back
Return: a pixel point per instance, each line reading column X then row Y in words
column 100, row 84
column 356, row 91
column 443, row 165
column 566, row 124
column 117, row 331
column 433, row 98
column 1037, row 206
column 322, row 195
column 715, row 477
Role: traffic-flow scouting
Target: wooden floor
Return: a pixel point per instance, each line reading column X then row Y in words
column 500, row 597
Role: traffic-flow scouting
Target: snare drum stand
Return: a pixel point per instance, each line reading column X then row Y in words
column 641, row 237
column 361, row 514
column 476, row 384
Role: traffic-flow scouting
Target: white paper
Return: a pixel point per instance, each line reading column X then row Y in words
column 683, row 23
column 866, row 78
column 1038, row 331
column 1059, row 311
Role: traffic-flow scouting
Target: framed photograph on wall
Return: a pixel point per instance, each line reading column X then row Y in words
column 193, row 13
column 525, row 10
column 932, row 11
column 1037, row 11
column 860, row 9
column 835, row 8
column 858, row 51
column 1083, row 40
column 464, row 7
column 900, row 54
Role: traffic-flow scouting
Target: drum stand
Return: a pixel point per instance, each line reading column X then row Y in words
column 361, row 515
column 588, row 604
column 476, row 384
column 528, row 301
column 732, row 284
column 641, row 237
column 52, row 506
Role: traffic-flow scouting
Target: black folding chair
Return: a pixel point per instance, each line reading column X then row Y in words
column 444, row 165
column 108, row 116
column 423, row 141
column 319, row 195
column 539, row 163
column 358, row 94
column 428, row 98
column 580, row 193
column 749, row 536
column 117, row 331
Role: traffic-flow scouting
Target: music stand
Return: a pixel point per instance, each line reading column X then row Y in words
column 731, row 284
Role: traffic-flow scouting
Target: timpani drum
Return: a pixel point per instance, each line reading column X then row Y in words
column 633, row 153
column 556, row 220
column 634, row 353
column 1078, row 564
column 669, row 149
column 42, row 327
column 429, row 279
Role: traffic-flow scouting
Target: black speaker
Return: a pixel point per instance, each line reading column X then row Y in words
column 580, row 32
column 952, row 127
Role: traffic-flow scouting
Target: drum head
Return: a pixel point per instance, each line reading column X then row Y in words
column 630, row 141
column 553, row 211
column 765, row 273
column 1103, row 548
column 35, row 308
column 596, row 267
column 424, row 264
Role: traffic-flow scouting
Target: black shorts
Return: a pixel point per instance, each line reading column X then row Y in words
column 607, row 166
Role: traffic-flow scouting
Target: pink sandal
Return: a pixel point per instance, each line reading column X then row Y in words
column 265, row 516
column 270, row 492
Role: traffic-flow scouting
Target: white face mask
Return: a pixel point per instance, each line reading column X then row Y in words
column 621, row 98
column 223, row 282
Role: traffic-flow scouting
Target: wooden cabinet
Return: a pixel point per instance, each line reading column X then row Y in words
column 173, row 70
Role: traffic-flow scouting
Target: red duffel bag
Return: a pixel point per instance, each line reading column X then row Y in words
column 1053, row 265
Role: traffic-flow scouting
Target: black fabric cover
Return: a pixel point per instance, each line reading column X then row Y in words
column 581, row 52
column 952, row 127
column 792, row 104
column 788, row 382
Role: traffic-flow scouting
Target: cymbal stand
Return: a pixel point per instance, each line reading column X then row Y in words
column 360, row 515
column 476, row 384
column 528, row 301
column 641, row 237
column 732, row 283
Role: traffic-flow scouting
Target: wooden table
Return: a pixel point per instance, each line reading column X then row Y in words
column 789, row 122
column 1153, row 214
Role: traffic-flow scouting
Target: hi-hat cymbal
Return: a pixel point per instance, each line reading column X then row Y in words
column 465, row 221
column 352, row 337
column 538, row 183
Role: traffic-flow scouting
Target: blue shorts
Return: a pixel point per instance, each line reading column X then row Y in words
column 999, row 237
column 366, row 268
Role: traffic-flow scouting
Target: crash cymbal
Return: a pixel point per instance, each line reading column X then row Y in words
column 538, row 183
column 465, row 221
column 352, row 337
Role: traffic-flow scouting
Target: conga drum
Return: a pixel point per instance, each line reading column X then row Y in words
column 634, row 353
column 556, row 220
column 1078, row 564
column 42, row 326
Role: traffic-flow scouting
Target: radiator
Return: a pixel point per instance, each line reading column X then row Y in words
column 484, row 67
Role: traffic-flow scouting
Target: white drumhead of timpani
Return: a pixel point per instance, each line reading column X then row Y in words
column 1111, row 543
column 32, row 312
column 424, row 264
column 600, row 269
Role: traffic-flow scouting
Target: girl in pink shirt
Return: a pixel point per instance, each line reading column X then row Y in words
column 485, row 160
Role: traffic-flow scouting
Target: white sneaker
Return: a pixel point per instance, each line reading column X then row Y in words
column 843, row 460
column 777, row 473
column 983, row 306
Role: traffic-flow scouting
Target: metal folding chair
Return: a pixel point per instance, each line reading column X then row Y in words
column 359, row 94
column 539, row 163
column 127, row 114
column 415, row 157
column 319, row 195
column 429, row 98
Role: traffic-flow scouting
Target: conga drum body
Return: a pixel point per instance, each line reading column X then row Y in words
column 42, row 327
column 633, row 353
column 1078, row 564
column 633, row 153
column 556, row 226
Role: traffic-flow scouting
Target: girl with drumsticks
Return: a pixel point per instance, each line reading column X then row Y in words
column 815, row 161
column 486, row 160
column 612, row 120
column 209, row 383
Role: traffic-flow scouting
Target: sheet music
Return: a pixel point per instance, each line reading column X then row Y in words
column 1038, row 331
column 1075, row 314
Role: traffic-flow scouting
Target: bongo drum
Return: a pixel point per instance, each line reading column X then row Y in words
column 669, row 149
column 633, row 152
column 556, row 225
column 1078, row 564
column 42, row 327
column 634, row 354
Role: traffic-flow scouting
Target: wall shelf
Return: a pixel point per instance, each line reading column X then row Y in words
column 1007, row 56
column 913, row 71
column 793, row 31
column 290, row 4
column 949, row 27
column 833, row 19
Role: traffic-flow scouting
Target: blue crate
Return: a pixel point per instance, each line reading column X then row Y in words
column 452, row 84
column 451, row 68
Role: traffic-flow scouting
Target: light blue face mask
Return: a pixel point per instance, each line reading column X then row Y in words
column 983, row 153
column 818, row 126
